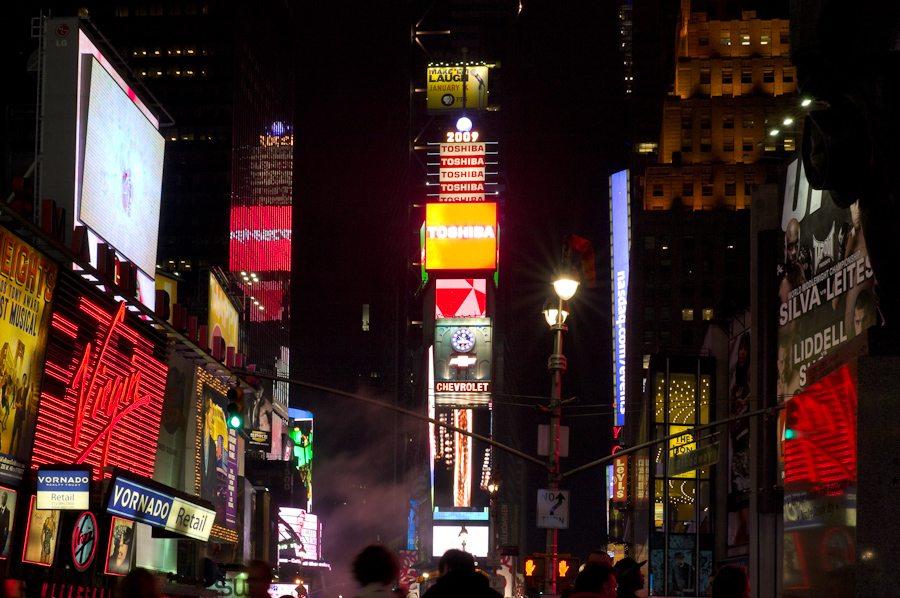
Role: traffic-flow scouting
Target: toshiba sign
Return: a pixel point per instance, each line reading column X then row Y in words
column 461, row 236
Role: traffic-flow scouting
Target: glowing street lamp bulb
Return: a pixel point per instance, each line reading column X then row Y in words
column 806, row 102
column 788, row 120
column 774, row 133
column 464, row 125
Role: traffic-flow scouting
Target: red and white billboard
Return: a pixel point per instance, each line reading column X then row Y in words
column 460, row 298
column 104, row 383
column 260, row 238
column 461, row 174
column 461, row 236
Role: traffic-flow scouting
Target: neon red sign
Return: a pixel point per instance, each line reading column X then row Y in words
column 820, row 436
column 103, row 390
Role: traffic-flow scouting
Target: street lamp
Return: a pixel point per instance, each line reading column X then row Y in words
column 463, row 534
column 565, row 283
column 493, row 487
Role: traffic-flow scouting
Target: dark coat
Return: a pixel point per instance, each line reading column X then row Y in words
column 459, row 583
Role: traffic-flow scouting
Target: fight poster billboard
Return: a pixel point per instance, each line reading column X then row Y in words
column 27, row 286
column 825, row 289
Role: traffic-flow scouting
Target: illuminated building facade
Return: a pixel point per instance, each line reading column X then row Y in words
column 692, row 253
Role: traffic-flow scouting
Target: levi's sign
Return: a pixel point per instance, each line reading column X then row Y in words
column 133, row 501
column 63, row 490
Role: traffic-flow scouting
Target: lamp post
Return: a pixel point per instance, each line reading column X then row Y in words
column 565, row 283
column 463, row 535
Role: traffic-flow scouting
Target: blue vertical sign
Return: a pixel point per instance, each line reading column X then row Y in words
column 620, row 245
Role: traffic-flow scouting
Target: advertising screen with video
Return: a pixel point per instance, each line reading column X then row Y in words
column 123, row 164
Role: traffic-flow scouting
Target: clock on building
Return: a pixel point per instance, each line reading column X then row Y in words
column 463, row 340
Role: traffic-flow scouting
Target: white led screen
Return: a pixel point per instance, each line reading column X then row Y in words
column 446, row 537
column 123, row 164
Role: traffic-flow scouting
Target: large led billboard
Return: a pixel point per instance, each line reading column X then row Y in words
column 260, row 238
column 476, row 538
column 104, row 382
column 460, row 298
column 820, row 487
column 826, row 292
column 124, row 157
column 461, row 236
column 457, row 88
column 123, row 165
column 299, row 536
column 620, row 245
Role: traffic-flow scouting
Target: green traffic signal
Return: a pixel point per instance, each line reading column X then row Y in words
column 235, row 410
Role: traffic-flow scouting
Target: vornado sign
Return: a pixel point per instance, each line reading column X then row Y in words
column 139, row 503
column 63, row 490
column 461, row 236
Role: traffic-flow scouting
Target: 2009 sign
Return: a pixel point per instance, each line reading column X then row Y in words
column 84, row 541
column 454, row 136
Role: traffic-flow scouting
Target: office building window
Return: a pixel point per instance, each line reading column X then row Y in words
column 727, row 75
column 747, row 144
column 728, row 121
column 704, row 77
column 657, row 190
column 649, row 242
column 728, row 145
column 765, row 38
column 687, row 188
column 769, row 75
column 708, row 313
column 725, row 38
column 665, row 313
column 746, row 76
column 745, row 39
column 687, row 314
column 648, row 314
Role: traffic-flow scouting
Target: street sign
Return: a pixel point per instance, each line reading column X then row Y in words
column 493, row 560
column 498, row 582
column 553, row 509
column 685, row 462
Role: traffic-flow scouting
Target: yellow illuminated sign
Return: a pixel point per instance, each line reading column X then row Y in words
column 461, row 236
column 444, row 89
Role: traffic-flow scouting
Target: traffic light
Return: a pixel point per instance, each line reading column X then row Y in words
column 235, row 410
column 567, row 567
column 535, row 569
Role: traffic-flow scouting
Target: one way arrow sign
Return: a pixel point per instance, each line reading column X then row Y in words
column 553, row 509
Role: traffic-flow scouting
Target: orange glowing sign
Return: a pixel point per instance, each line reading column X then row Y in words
column 461, row 236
